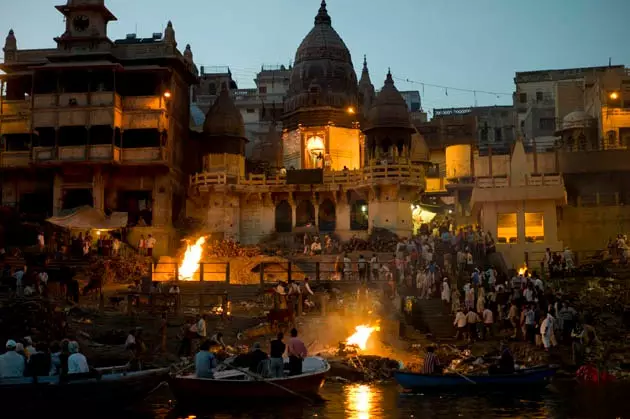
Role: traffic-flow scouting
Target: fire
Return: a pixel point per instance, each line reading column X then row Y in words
column 522, row 270
column 190, row 264
column 361, row 336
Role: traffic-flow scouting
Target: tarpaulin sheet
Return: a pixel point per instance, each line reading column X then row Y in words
column 90, row 218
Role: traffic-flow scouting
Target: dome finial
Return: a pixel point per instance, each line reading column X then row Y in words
column 323, row 18
column 365, row 67
column 389, row 80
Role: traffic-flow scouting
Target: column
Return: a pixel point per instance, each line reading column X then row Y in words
column 316, row 206
column 520, row 223
column 57, row 194
column 162, row 206
column 98, row 189
column 293, row 215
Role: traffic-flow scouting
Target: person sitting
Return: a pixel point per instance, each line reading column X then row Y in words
column 77, row 362
column 12, row 364
column 431, row 362
column 505, row 364
column 39, row 363
column 217, row 339
column 205, row 361
column 256, row 357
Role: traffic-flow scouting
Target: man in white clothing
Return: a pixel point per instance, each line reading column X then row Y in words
column 77, row 362
column 12, row 364
column 150, row 244
column 460, row 322
column 488, row 322
column 446, row 295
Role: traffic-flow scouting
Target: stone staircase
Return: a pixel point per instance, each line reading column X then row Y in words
column 429, row 317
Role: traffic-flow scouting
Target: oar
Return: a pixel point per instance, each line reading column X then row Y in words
column 465, row 378
column 269, row 382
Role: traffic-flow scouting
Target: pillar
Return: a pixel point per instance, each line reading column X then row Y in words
column 293, row 215
column 98, row 189
column 57, row 194
column 162, row 206
column 316, row 206
column 520, row 223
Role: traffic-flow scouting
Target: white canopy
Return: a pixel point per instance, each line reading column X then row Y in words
column 87, row 218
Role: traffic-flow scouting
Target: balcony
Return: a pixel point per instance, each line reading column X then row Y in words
column 15, row 159
column 531, row 187
column 144, row 103
column 15, row 108
column 407, row 175
column 99, row 153
column 145, row 155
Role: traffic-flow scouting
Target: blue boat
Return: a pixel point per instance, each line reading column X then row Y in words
column 526, row 377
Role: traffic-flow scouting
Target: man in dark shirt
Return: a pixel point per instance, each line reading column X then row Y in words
column 256, row 356
column 277, row 362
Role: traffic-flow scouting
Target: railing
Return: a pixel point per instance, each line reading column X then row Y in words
column 15, row 107
column 530, row 180
column 143, row 103
column 97, row 152
column 15, row 158
column 373, row 174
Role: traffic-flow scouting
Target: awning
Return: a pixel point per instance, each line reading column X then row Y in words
column 88, row 218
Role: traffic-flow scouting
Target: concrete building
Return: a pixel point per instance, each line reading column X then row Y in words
column 350, row 169
column 97, row 122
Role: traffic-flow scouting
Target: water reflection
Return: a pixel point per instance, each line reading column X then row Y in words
column 359, row 401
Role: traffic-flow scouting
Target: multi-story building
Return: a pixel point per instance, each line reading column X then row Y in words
column 536, row 101
column 97, row 122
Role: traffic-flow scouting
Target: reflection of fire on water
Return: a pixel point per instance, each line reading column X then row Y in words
column 192, row 257
column 359, row 401
column 361, row 336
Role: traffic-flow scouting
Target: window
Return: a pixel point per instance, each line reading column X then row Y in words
column 534, row 227
column 484, row 134
column 498, row 135
column 212, row 89
column 249, row 110
column 262, row 90
column 522, row 97
column 611, row 138
column 506, row 228
column 539, row 96
column 547, row 124
column 624, row 137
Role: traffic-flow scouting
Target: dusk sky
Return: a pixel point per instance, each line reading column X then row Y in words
column 470, row 44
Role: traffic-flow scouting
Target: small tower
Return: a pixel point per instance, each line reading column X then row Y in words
column 10, row 47
column 388, row 127
column 366, row 90
column 188, row 55
column 86, row 25
column 388, row 130
column 223, row 150
column 169, row 35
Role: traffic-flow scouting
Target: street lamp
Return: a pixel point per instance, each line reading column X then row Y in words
column 614, row 95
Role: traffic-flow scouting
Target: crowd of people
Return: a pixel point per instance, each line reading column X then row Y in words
column 26, row 359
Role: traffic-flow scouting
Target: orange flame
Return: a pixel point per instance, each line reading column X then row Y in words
column 190, row 264
column 361, row 336
column 522, row 270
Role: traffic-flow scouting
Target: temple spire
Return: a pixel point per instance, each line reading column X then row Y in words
column 323, row 18
column 365, row 67
column 389, row 79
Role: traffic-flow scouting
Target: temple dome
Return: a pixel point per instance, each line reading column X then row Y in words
column 389, row 110
column 323, row 74
column 223, row 118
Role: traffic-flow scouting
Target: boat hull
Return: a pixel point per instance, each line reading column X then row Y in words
column 109, row 391
column 416, row 381
column 190, row 390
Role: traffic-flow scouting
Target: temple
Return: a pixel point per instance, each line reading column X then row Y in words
column 346, row 161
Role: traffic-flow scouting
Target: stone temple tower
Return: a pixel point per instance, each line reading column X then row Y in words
column 388, row 131
column 222, row 149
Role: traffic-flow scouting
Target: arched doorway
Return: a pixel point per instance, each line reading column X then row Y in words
column 283, row 217
column 304, row 214
column 359, row 215
column 327, row 216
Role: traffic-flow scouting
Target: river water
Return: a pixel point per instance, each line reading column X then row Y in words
column 363, row 401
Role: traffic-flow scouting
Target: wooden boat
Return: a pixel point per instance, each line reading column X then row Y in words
column 111, row 388
column 525, row 377
column 237, row 384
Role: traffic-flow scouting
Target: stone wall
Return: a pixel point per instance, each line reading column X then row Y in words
column 588, row 228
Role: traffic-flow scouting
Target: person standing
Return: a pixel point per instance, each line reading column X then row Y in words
column 41, row 244
column 362, row 268
column 276, row 353
column 471, row 320
column 460, row 323
column 431, row 362
column 446, row 295
column 150, row 244
column 142, row 245
column 297, row 352
column 488, row 323
column 347, row 267
column 530, row 325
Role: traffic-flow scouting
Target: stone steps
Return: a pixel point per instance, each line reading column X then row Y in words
column 429, row 316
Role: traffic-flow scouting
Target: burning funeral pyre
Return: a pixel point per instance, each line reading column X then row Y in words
column 190, row 262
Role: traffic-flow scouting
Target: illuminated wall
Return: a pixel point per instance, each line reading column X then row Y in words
column 344, row 147
column 458, row 161
column 341, row 145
